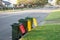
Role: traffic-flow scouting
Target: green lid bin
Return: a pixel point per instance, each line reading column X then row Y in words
column 16, row 34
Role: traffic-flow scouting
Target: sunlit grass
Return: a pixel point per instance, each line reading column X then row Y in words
column 49, row 31
column 53, row 16
column 46, row 32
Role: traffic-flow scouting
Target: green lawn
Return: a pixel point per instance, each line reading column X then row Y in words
column 49, row 31
column 46, row 32
column 54, row 16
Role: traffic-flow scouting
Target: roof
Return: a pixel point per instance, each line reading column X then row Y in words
column 6, row 2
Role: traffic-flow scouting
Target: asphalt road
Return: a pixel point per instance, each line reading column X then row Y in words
column 7, row 19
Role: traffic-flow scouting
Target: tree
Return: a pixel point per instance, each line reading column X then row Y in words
column 31, row 2
column 42, row 2
column 21, row 2
column 58, row 2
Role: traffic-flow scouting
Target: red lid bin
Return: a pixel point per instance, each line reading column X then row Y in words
column 22, row 29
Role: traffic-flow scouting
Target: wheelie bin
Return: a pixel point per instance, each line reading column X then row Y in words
column 24, row 22
column 15, row 31
column 29, row 23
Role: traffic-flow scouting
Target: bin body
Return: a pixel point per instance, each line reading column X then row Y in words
column 22, row 29
column 29, row 25
column 31, row 19
column 15, row 31
column 24, row 22
column 35, row 22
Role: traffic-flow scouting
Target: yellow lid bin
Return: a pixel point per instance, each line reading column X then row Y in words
column 29, row 25
column 35, row 22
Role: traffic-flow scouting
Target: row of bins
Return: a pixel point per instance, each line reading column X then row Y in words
column 21, row 28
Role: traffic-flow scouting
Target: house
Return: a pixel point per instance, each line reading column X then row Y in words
column 13, row 1
column 9, row 3
column 0, row 2
column 6, row 3
column 52, row 2
column 1, row 5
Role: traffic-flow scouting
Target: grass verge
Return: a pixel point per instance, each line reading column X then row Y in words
column 45, row 32
column 54, row 16
column 49, row 31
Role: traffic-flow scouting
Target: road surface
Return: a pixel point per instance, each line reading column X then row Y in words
column 7, row 19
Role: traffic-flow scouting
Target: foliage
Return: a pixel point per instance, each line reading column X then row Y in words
column 21, row 1
column 58, row 2
column 38, row 2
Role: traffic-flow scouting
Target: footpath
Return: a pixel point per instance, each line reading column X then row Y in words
column 32, row 10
